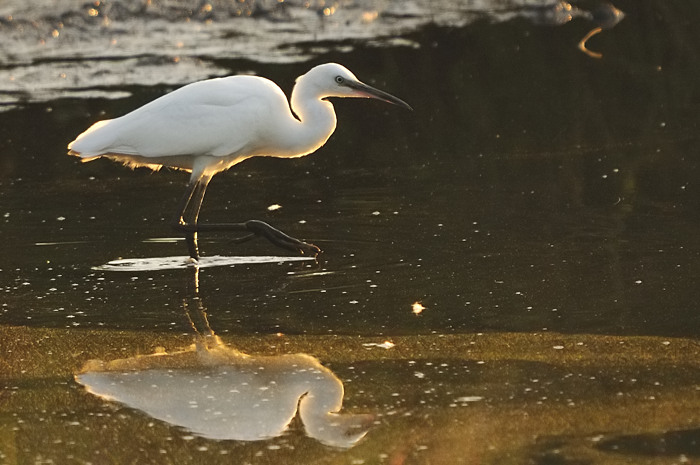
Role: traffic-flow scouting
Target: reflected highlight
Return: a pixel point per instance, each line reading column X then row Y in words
column 582, row 43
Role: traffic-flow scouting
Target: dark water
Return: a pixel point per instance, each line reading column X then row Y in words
column 534, row 192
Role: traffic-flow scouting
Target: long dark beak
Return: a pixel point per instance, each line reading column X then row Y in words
column 363, row 90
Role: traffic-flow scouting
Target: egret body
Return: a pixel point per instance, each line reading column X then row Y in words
column 209, row 126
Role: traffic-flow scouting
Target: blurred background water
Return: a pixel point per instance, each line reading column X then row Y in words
column 537, row 191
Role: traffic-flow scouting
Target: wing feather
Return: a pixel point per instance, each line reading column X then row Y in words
column 217, row 117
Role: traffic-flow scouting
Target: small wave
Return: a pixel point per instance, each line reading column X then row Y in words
column 172, row 263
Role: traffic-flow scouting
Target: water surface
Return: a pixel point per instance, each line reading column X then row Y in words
column 541, row 204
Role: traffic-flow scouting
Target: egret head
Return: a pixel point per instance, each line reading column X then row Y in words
column 334, row 80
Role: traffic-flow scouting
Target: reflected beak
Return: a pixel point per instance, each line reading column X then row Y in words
column 363, row 90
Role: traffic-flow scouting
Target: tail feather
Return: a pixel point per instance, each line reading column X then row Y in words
column 91, row 143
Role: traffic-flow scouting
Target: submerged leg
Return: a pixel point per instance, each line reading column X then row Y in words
column 186, row 221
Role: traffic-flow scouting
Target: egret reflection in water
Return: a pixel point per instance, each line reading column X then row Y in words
column 217, row 392
column 604, row 15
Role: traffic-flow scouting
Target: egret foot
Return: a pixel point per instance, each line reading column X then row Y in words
column 277, row 237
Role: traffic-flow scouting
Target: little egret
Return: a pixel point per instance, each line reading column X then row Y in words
column 209, row 126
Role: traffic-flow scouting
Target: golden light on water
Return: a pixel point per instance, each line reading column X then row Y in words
column 582, row 43
column 417, row 308
column 369, row 16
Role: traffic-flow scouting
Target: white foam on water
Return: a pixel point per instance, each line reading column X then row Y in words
column 183, row 261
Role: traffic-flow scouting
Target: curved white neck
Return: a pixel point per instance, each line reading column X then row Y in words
column 316, row 123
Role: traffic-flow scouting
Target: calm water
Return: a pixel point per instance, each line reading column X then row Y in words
column 540, row 203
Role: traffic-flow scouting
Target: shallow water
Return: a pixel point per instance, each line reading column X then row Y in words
column 540, row 204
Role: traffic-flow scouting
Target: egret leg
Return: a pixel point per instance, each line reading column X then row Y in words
column 186, row 221
column 188, row 212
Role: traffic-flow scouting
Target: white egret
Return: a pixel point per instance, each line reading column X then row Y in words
column 209, row 126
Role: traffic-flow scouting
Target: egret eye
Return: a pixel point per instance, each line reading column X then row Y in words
column 339, row 79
